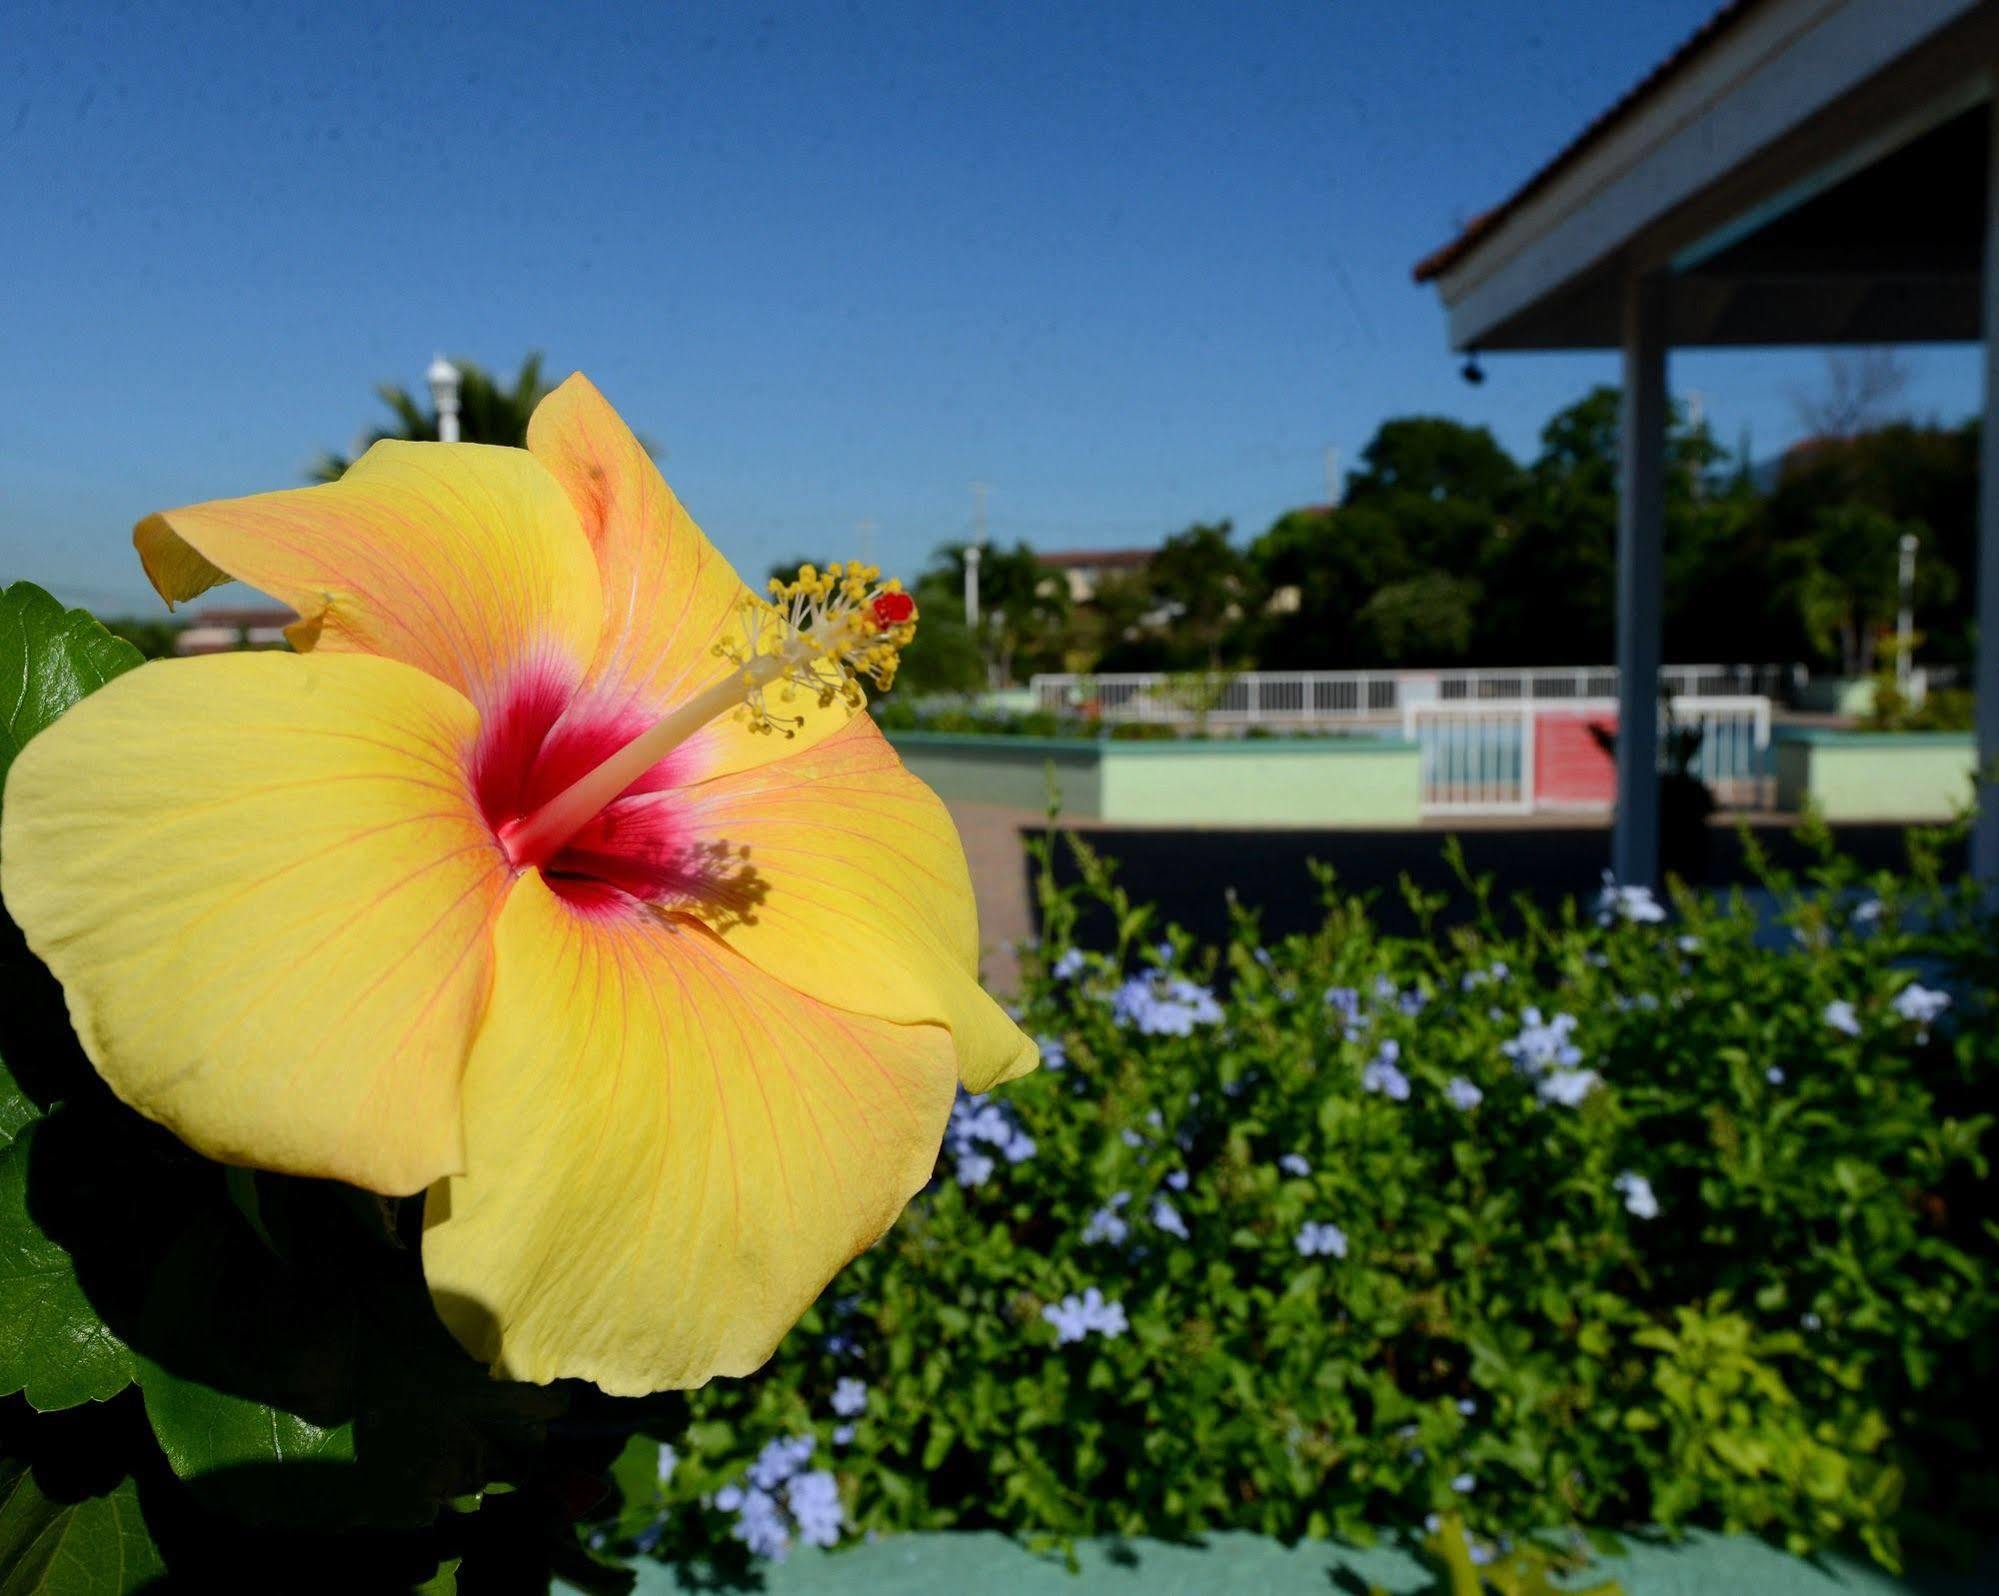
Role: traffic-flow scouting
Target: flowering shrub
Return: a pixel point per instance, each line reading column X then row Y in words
column 1624, row 1217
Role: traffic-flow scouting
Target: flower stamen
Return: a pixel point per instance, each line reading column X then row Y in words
column 822, row 633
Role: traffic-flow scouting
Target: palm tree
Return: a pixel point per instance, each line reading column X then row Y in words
column 487, row 413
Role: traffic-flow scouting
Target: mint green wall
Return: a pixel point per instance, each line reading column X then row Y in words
column 1875, row 775
column 1334, row 781
column 1006, row 770
column 1328, row 781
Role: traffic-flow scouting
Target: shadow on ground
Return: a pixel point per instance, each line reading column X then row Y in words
column 1189, row 873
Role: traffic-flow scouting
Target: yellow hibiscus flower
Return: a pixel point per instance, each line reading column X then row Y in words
column 484, row 893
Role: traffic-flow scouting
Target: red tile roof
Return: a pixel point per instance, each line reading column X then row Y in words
column 1485, row 223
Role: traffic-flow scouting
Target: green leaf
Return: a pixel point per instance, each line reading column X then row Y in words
column 17, row 1108
column 324, row 1395
column 94, row 1547
column 49, row 658
column 53, row 1345
column 203, row 1431
column 443, row 1583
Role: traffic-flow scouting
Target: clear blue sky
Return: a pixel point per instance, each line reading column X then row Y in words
column 1134, row 264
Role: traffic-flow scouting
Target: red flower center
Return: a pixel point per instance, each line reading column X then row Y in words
column 541, row 737
column 892, row 609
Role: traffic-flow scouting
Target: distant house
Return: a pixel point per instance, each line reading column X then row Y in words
column 1084, row 569
column 217, row 631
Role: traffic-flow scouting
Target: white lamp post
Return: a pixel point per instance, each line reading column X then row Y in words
column 972, row 553
column 1905, row 616
column 444, row 379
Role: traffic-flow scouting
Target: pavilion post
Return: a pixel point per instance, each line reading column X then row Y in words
column 1985, row 667
column 1641, row 527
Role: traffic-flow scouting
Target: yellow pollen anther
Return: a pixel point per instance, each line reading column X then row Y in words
column 823, row 631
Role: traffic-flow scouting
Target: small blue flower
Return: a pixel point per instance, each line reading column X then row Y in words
column 1567, row 1087
column 1919, row 1004
column 1345, row 1002
column 1069, row 965
column 1164, row 1005
column 1381, row 1074
column 1840, row 1015
column 1774, row 1075
column 1177, row 1180
column 1293, row 1164
column 1076, row 1317
column 1319, row 1239
column 779, row 1460
column 1462, row 1095
column 669, row 1460
column 1543, row 1045
column 843, row 1435
column 850, row 1397
column 1107, row 1224
column 1054, row 1055
column 814, row 1500
column 1464, row 1484
column 1627, row 903
column 1639, row 1200
column 759, row 1522
column 1167, row 1218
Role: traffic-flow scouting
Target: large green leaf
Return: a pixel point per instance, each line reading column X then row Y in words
column 97, row 1546
column 53, row 1345
column 49, row 658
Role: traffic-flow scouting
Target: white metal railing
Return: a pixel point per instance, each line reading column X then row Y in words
column 1481, row 757
column 1298, row 698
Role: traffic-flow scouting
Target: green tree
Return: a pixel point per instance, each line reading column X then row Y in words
column 1907, row 472
column 1846, row 581
column 1024, row 612
column 488, row 412
column 1206, row 584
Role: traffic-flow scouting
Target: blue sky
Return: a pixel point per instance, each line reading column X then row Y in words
column 1134, row 264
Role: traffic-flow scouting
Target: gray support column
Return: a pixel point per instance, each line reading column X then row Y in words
column 1985, row 668
column 1641, row 527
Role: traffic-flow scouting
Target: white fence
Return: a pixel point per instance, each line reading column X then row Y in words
column 1528, row 756
column 1320, row 698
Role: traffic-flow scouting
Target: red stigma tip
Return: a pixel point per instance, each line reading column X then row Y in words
column 892, row 609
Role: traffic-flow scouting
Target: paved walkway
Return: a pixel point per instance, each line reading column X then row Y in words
column 1247, row 1565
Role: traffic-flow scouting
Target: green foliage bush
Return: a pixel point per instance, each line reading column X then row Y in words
column 1725, row 1264
column 1730, row 1264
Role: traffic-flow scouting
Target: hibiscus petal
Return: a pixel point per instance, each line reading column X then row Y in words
column 668, row 1154
column 669, row 595
column 263, row 885
column 462, row 560
column 847, row 881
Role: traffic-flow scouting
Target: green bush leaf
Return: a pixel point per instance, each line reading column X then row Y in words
column 94, row 1547
column 49, row 658
column 17, row 1108
column 53, row 1345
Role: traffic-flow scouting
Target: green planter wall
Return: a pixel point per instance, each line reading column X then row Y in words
column 1875, row 775
column 1301, row 781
